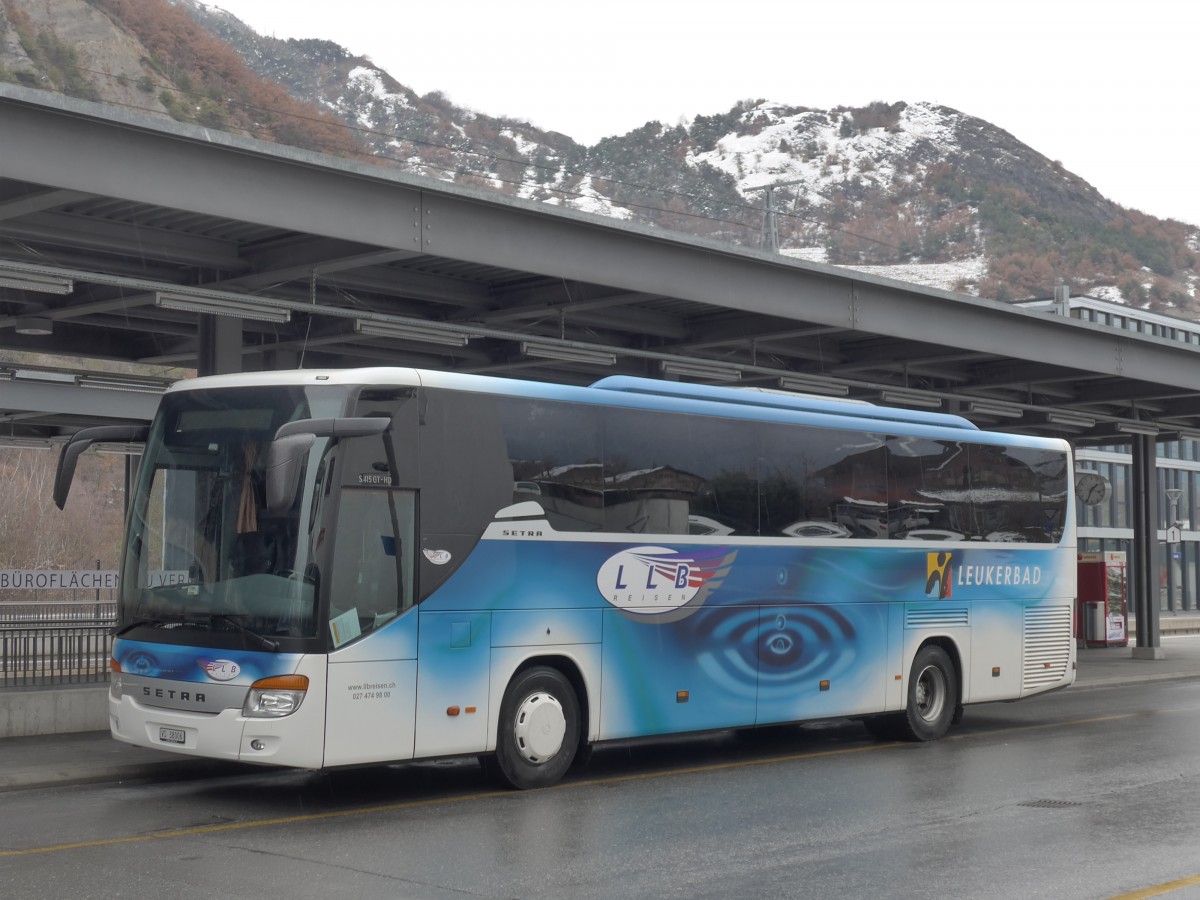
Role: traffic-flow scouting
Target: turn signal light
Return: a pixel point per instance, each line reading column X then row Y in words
column 282, row 683
column 114, row 679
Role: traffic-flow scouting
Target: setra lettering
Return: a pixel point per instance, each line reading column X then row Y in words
column 169, row 694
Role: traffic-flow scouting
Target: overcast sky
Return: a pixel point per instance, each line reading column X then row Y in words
column 1110, row 88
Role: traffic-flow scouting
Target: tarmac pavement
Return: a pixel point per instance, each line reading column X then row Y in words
column 93, row 756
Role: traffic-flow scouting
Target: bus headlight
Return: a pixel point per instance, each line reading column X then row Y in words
column 271, row 698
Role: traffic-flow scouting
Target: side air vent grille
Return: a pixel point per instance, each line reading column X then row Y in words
column 1047, row 646
column 939, row 617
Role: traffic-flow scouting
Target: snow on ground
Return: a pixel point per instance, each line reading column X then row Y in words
column 809, row 254
column 370, row 82
column 1110, row 293
column 524, row 147
column 589, row 200
column 945, row 276
column 770, row 155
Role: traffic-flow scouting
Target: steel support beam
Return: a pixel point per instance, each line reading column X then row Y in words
column 563, row 246
column 75, row 145
column 68, row 398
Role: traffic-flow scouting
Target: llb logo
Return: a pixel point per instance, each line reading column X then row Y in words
column 938, row 572
column 660, row 584
column 221, row 669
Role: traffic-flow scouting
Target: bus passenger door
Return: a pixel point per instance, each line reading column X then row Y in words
column 370, row 697
column 372, row 627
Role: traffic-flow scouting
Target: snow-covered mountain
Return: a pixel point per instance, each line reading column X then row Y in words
column 913, row 190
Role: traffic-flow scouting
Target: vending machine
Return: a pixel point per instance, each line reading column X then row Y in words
column 1102, row 612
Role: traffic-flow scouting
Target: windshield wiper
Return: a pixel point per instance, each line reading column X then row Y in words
column 148, row 620
column 265, row 642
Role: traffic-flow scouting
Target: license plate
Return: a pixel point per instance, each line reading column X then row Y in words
column 172, row 735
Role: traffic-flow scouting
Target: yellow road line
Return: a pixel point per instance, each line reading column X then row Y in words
column 1158, row 890
column 1113, row 717
column 738, row 764
column 254, row 823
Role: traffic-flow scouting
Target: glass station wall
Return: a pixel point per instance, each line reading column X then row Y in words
column 1108, row 525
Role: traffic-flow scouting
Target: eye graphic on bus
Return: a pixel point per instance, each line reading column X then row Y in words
column 779, row 644
column 774, row 658
column 140, row 663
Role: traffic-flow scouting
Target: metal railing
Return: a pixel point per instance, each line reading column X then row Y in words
column 82, row 611
column 46, row 644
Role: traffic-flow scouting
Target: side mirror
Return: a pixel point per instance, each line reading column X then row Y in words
column 293, row 440
column 285, row 459
column 80, row 441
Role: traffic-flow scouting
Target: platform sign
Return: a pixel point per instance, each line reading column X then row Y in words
column 57, row 579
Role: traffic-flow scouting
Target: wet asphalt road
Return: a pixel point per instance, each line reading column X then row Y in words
column 1084, row 793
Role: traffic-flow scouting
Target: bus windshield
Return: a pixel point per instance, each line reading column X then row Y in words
column 202, row 552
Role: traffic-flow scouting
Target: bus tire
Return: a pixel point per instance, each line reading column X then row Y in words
column 538, row 731
column 932, row 695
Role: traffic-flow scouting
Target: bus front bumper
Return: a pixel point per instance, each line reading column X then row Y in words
column 296, row 740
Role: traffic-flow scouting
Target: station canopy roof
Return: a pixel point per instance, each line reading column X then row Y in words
column 125, row 238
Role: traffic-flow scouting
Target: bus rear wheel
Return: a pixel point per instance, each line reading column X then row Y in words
column 538, row 729
column 932, row 695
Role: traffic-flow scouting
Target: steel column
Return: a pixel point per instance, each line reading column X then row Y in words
column 220, row 345
column 1144, row 516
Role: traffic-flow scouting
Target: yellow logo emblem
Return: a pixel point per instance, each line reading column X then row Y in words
column 938, row 573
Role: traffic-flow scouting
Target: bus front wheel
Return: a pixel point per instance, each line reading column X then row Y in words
column 932, row 695
column 538, row 729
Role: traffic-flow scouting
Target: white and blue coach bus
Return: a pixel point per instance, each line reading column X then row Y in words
column 334, row 568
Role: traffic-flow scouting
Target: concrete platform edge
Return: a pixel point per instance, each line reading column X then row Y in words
column 93, row 774
column 59, row 710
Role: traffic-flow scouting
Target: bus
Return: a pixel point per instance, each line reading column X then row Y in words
column 364, row 566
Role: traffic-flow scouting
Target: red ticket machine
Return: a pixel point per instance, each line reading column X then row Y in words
column 1102, row 612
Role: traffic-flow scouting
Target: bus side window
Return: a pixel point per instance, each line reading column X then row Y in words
column 930, row 493
column 555, row 451
column 667, row 473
